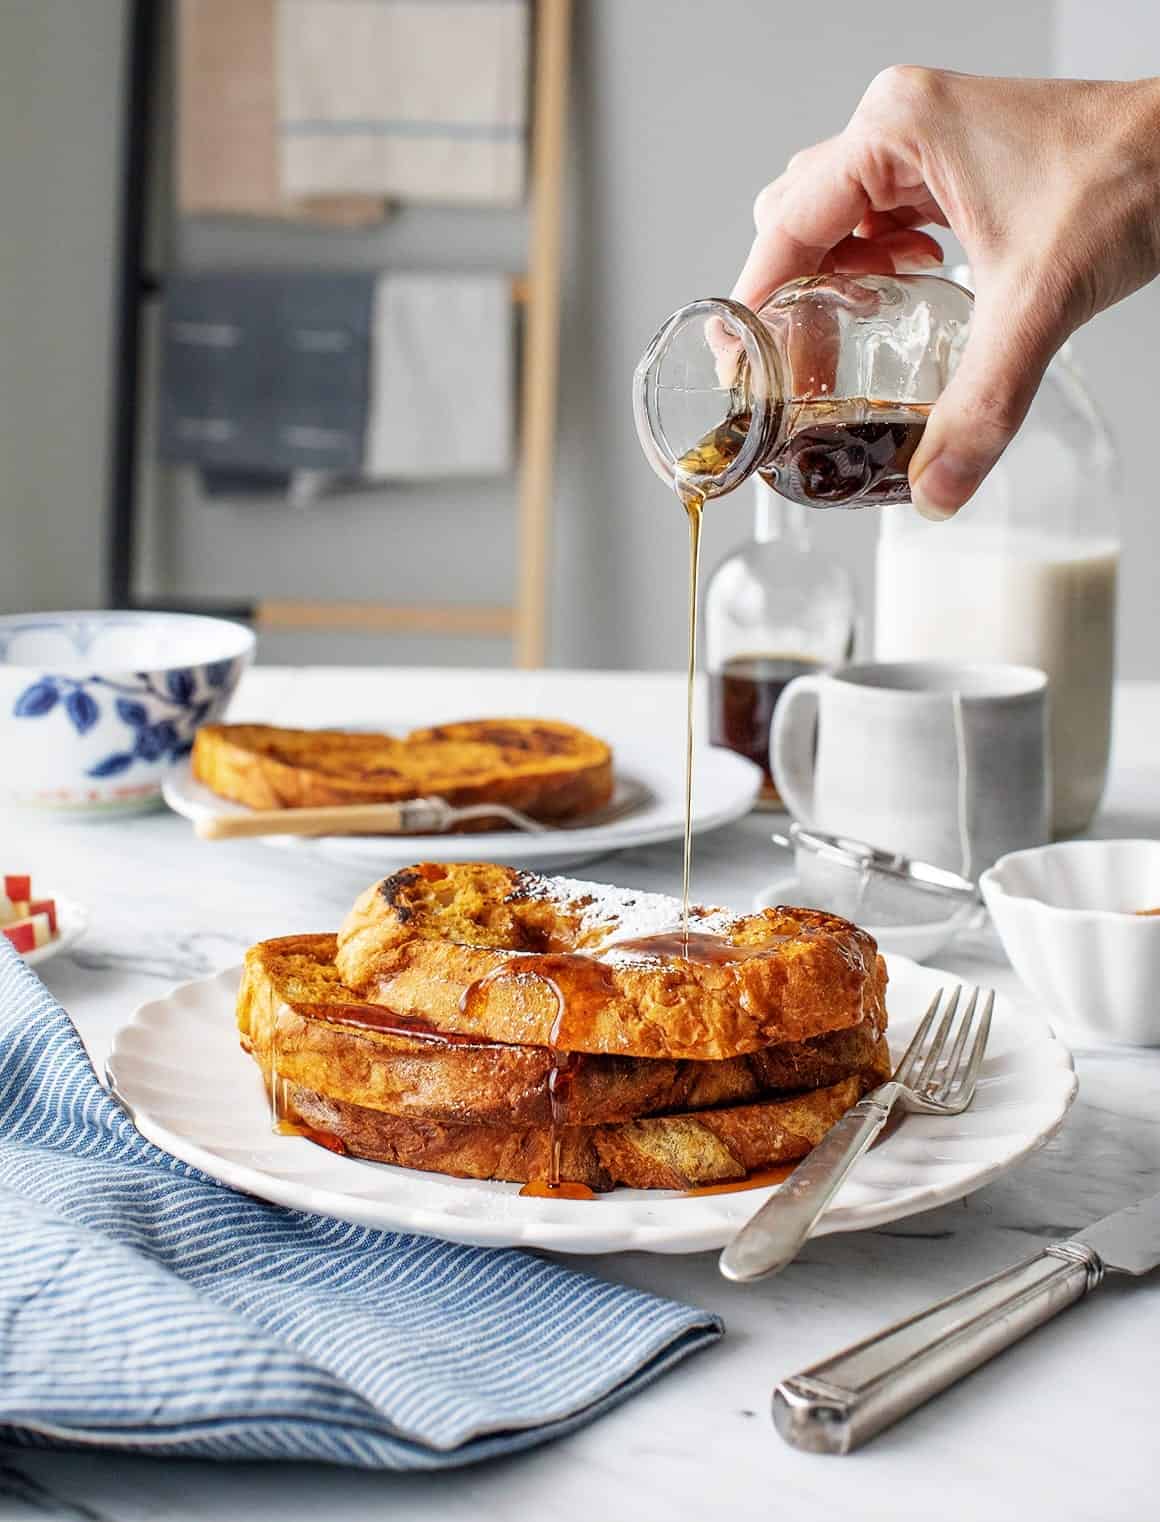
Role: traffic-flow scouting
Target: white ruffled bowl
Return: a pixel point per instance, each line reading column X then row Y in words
column 1068, row 918
column 96, row 707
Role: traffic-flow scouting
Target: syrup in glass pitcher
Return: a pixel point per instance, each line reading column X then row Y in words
column 824, row 392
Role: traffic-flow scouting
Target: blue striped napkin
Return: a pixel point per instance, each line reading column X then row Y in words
column 145, row 1307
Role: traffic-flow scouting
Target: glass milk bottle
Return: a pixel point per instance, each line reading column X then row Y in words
column 775, row 608
column 1026, row 573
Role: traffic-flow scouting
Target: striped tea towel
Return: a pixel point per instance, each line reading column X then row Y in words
column 227, row 148
column 266, row 372
column 145, row 1307
column 442, row 388
column 419, row 100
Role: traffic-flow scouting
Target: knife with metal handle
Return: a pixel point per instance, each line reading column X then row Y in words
column 837, row 1405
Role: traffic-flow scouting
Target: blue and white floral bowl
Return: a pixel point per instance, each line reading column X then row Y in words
column 95, row 707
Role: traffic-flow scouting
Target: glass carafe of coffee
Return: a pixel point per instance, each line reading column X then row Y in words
column 824, row 392
column 775, row 608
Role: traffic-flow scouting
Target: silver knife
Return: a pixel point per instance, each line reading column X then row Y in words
column 837, row 1405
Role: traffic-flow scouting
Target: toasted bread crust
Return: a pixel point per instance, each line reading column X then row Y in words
column 548, row 769
column 487, row 951
column 663, row 1152
column 291, row 984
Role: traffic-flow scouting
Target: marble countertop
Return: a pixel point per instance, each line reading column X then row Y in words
column 1060, row 1426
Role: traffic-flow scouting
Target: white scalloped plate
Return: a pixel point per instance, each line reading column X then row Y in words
column 179, row 1070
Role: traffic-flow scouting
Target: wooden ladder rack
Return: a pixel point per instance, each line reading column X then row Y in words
column 525, row 621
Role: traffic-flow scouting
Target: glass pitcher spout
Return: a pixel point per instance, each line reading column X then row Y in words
column 708, row 396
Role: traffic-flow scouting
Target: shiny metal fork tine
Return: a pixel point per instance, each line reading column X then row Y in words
column 636, row 795
column 967, row 1087
column 905, row 1068
column 950, row 1072
column 939, row 1042
column 514, row 817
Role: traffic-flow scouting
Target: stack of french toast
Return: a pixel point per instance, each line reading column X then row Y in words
column 484, row 1022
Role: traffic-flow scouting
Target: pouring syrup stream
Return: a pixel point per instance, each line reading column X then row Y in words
column 694, row 505
column 709, row 457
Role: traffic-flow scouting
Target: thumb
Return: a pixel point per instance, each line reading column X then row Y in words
column 1010, row 344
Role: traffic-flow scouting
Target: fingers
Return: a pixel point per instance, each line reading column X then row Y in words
column 819, row 204
column 875, row 223
column 800, row 217
column 898, row 252
column 1009, row 347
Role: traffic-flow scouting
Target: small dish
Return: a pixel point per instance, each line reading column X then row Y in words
column 72, row 920
column 1068, row 916
column 96, row 707
column 909, row 907
column 918, row 942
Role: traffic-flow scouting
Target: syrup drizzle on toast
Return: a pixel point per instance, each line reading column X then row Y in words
column 589, row 985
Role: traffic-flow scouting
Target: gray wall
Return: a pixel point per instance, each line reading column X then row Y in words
column 60, row 104
column 1118, row 349
column 682, row 110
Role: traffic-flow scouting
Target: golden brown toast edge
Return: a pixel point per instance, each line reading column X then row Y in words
column 684, row 1151
column 241, row 762
column 291, row 979
column 433, row 940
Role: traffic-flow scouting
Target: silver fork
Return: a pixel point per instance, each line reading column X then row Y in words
column 436, row 814
column 923, row 1083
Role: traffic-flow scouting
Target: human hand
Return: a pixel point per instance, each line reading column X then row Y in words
column 1051, row 186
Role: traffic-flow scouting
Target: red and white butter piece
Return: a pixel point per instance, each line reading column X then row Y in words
column 30, row 933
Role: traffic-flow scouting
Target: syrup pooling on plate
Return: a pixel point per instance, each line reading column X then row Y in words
column 325, row 1139
column 544, row 1189
column 762, row 1179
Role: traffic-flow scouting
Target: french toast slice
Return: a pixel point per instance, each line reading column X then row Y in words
column 683, row 1151
column 501, row 955
column 294, row 1015
column 548, row 769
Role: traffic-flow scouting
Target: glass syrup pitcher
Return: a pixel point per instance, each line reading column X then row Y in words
column 824, row 392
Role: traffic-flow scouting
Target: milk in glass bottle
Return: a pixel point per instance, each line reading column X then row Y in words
column 1026, row 572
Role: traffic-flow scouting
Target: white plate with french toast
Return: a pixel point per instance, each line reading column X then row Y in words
column 631, row 787
column 473, row 1020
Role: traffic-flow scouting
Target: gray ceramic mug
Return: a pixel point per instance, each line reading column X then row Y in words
column 944, row 762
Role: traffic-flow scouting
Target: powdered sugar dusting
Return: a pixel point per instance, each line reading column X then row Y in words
column 609, row 914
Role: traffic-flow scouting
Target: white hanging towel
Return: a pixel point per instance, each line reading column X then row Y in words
column 421, row 100
column 442, row 377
